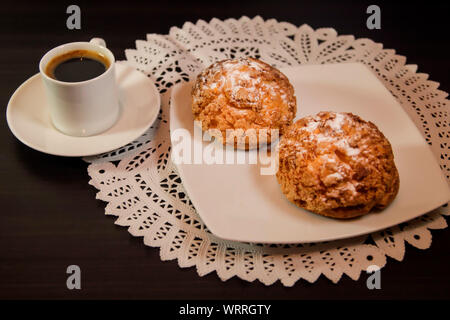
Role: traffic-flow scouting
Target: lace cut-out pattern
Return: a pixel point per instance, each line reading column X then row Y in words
column 142, row 188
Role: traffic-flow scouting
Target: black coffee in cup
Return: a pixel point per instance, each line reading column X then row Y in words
column 77, row 65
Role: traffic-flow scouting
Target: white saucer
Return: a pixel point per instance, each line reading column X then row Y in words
column 29, row 120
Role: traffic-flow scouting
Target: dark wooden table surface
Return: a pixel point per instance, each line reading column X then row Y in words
column 49, row 216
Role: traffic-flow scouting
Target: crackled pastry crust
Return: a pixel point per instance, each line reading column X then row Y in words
column 243, row 93
column 337, row 165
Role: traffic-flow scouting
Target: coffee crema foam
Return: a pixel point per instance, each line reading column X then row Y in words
column 77, row 65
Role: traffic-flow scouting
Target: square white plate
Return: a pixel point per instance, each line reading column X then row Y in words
column 236, row 202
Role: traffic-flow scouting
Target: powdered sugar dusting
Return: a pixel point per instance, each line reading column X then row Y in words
column 327, row 158
column 322, row 138
column 241, row 77
column 327, row 133
column 334, row 138
column 337, row 122
column 332, row 178
column 311, row 126
column 344, row 146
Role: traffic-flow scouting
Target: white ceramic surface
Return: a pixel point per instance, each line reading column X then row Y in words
column 236, row 202
column 29, row 119
column 87, row 107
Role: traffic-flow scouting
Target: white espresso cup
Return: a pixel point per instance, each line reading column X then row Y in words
column 82, row 108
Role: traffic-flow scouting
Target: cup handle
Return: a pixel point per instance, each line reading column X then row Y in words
column 98, row 42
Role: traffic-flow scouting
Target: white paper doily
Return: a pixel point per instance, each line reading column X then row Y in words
column 143, row 190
